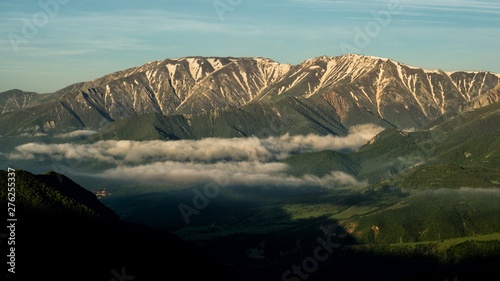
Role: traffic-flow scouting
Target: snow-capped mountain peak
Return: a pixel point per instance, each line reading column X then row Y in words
column 353, row 87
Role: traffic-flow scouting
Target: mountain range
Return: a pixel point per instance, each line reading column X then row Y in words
column 420, row 204
column 196, row 97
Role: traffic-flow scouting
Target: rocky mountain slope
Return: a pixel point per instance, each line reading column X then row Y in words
column 345, row 90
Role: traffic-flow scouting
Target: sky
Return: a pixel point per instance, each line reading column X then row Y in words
column 46, row 45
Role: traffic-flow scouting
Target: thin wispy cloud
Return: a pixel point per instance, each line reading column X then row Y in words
column 94, row 30
column 77, row 133
column 98, row 37
column 470, row 5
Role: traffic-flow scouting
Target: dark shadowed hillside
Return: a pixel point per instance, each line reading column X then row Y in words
column 64, row 233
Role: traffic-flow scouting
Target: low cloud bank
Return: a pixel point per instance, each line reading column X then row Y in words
column 207, row 150
column 225, row 174
column 241, row 161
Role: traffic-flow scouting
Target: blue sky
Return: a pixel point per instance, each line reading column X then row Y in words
column 48, row 44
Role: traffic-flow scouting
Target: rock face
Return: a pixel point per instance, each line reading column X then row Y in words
column 349, row 90
column 15, row 100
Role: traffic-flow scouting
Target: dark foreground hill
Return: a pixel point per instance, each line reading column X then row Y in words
column 63, row 232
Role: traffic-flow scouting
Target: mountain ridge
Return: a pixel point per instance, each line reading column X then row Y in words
column 351, row 85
